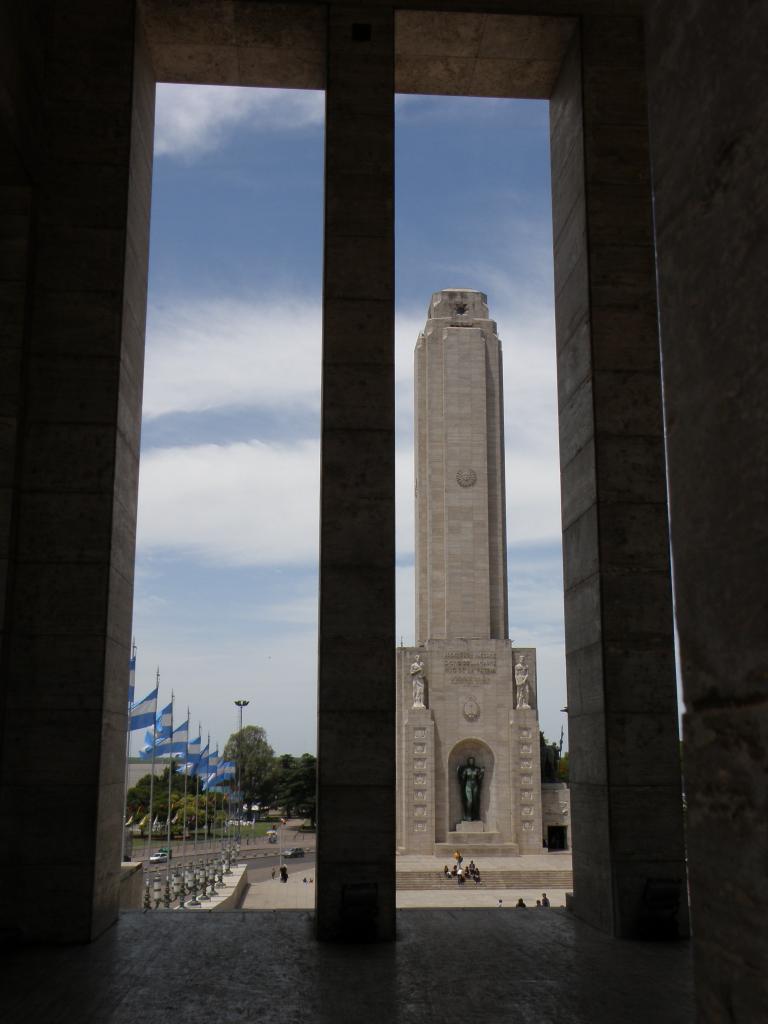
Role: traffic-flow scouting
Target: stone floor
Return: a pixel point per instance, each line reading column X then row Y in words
column 447, row 967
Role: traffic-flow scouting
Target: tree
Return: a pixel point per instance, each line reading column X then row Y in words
column 297, row 784
column 254, row 762
column 138, row 795
column 562, row 768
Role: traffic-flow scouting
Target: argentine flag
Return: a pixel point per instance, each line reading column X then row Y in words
column 143, row 713
column 131, row 680
column 175, row 744
column 165, row 722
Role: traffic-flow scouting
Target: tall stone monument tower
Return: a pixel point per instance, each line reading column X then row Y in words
column 468, row 733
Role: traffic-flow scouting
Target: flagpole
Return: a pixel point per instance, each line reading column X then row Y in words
column 168, row 815
column 128, row 742
column 197, row 787
column 206, row 795
column 184, row 806
column 152, row 776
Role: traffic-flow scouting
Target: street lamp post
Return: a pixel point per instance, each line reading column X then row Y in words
column 240, row 704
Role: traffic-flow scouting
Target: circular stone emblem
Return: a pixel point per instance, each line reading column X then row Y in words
column 471, row 709
column 466, row 478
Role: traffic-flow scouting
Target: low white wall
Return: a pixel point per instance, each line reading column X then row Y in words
column 131, row 886
column 229, row 898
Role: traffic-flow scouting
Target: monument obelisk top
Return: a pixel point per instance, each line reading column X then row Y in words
column 461, row 561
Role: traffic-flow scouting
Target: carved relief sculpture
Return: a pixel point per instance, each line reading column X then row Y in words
column 417, row 678
column 522, row 686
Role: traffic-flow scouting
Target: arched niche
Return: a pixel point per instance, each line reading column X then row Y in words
column 483, row 755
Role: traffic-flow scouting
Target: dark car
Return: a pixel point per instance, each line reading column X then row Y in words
column 295, row 851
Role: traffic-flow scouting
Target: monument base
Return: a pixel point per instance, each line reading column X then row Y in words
column 470, row 826
column 480, row 844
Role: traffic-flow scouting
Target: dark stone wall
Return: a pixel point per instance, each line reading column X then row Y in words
column 625, row 765
column 75, row 176
column 708, row 100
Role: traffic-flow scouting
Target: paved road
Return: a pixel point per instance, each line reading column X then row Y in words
column 259, row 848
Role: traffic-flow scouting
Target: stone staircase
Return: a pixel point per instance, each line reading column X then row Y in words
column 491, row 879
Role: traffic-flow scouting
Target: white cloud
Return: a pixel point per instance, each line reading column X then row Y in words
column 234, row 353
column 247, row 503
column 210, row 354
column 192, row 120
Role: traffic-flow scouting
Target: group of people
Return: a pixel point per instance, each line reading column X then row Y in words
column 462, row 874
column 543, row 902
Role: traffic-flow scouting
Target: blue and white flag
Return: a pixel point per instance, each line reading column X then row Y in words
column 224, row 771
column 193, row 755
column 165, row 722
column 143, row 713
column 213, row 763
column 201, row 763
column 175, row 744
column 146, row 751
column 131, row 680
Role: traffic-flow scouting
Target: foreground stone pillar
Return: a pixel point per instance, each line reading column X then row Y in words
column 628, row 859
column 72, row 498
column 356, row 734
column 709, row 144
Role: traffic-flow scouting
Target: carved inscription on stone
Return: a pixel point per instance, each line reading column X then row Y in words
column 420, row 826
column 470, row 667
column 526, row 794
column 525, row 748
column 525, row 734
column 419, row 734
column 420, row 794
column 527, row 812
column 420, row 811
column 419, row 779
column 420, row 748
column 526, row 764
column 420, row 764
column 526, row 780
column 528, row 826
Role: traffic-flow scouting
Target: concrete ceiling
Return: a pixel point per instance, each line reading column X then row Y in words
column 234, row 42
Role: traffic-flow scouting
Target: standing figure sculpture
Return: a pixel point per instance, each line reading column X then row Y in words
column 417, row 678
column 523, row 688
column 470, row 780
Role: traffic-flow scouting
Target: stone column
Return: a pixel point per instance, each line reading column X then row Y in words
column 709, row 142
column 625, row 765
column 73, row 495
column 356, row 728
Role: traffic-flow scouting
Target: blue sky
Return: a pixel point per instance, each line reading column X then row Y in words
column 228, row 502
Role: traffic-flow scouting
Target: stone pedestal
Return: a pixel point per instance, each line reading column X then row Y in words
column 470, row 826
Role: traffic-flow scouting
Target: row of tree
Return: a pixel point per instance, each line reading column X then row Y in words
column 269, row 780
column 264, row 779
